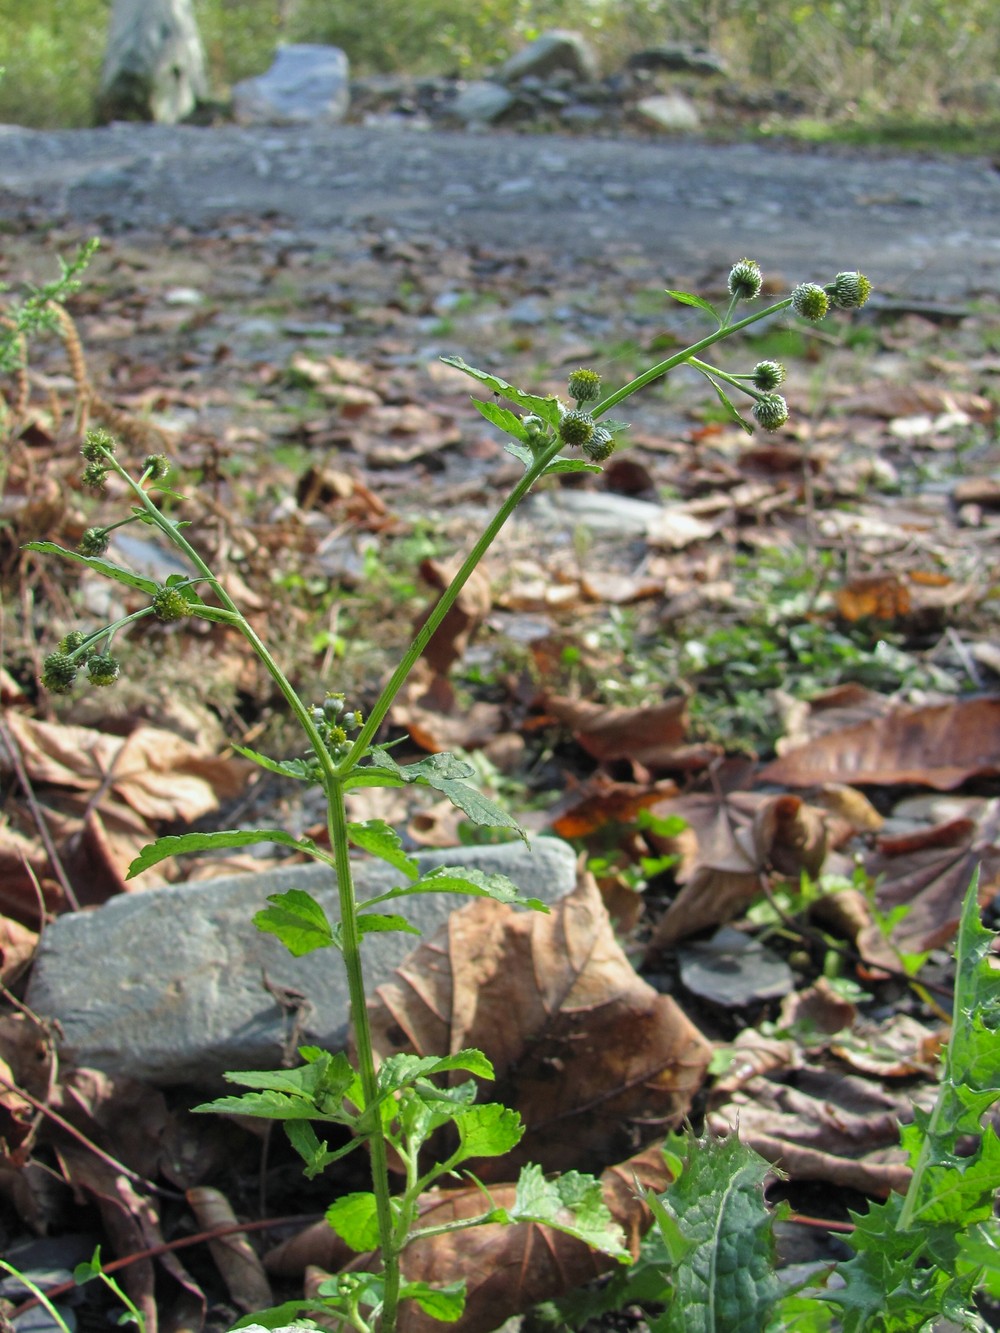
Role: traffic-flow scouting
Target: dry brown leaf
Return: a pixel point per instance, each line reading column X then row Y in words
column 590, row 1055
column 900, row 1047
column 825, row 1126
column 599, row 801
column 17, row 945
column 876, row 597
column 235, row 1258
column 648, row 736
column 940, row 746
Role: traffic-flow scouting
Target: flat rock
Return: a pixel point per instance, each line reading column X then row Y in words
column 480, row 102
column 669, row 111
column 168, row 985
column 305, row 84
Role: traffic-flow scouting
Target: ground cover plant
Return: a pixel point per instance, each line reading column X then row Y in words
column 788, row 585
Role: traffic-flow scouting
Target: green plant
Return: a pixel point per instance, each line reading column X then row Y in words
column 396, row 1106
column 83, row 1273
column 919, row 1257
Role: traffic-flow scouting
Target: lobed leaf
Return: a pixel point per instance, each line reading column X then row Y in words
column 572, row 1203
column 487, row 1129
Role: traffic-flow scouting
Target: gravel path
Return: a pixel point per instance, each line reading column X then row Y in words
column 921, row 228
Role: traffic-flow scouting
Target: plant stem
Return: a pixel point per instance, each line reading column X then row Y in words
column 351, row 949
column 444, row 605
column 662, row 367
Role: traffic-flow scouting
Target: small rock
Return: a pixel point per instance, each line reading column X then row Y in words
column 669, row 111
column 306, row 84
column 168, row 985
column 480, row 102
column 679, row 58
column 733, row 970
column 556, row 50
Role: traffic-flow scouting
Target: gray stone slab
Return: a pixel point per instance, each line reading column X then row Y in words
column 167, row 985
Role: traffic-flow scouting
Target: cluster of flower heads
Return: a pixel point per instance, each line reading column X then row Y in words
column 577, row 426
column 335, row 725
column 60, row 669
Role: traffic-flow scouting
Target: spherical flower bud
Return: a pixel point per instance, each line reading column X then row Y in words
column 103, row 669
column 95, row 475
column 585, row 386
column 157, row 466
column 810, row 301
column 58, row 673
column 94, row 541
column 600, row 446
column 96, row 444
column 333, row 706
column 74, row 639
column 767, row 375
column 745, row 280
column 576, row 428
column 771, row 410
column 170, row 604
column 850, row 290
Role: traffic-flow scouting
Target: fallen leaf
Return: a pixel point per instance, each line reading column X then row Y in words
column 587, row 1051
column 648, row 736
column 940, row 746
column 234, row 1256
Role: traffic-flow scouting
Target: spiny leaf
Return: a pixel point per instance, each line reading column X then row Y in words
column 717, row 1234
column 177, row 844
column 298, row 921
column 106, row 568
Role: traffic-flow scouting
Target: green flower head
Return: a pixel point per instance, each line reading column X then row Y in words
column 103, row 669
column 576, row 428
column 585, row 386
column 94, row 541
column 771, row 410
column 767, row 375
column 849, row 290
column 170, row 604
column 95, row 475
column 745, row 280
column 97, row 444
column 58, row 673
column 810, row 301
column 600, row 446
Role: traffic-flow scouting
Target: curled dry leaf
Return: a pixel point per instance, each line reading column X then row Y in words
column 825, row 1126
column 590, row 1055
column 234, row 1256
column 648, row 736
column 940, row 746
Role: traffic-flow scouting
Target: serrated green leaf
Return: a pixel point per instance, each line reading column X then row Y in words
column 314, row 1091
column 688, row 298
column 177, row 844
column 278, row 1317
column 572, row 1203
column 106, row 568
column 466, row 881
column 374, row 923
column 487, row 1129
column 561, row 464
column 400, row 1071
column 446, row 773
column 287, row 768
column 445, row 1304
column 315, row 1155
column 298, row 921
column 547, row 408
column 731, row 408
column 374, row 775
column 717, row 1231
column 354, row 1217
column 379, row 838
column 502, row 417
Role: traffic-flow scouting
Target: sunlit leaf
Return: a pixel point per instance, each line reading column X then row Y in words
column 106, row 568
column 298, row 921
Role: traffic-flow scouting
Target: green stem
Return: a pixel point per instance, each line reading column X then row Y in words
column 663, row 367
column 713, row 372
column 444, row 605
column 350, row 939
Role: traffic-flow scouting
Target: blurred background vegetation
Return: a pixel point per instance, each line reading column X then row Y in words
column 901, row 61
